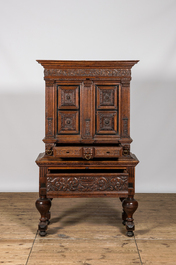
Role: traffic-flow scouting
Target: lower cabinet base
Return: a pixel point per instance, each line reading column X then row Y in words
column 60, row 179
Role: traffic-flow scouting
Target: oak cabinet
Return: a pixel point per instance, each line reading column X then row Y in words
column 87, row 135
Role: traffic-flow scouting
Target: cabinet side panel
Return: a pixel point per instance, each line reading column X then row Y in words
column 49, row 106
column 125, row 110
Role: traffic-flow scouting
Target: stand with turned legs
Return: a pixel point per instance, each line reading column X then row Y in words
column 87, row 136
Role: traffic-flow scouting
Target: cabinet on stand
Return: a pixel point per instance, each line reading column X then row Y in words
column 87, row 135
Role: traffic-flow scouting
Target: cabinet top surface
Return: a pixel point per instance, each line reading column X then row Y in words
column 87, row 64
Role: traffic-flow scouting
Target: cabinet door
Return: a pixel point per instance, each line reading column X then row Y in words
column 87, row 112
column 68, row 111
column 107, row 110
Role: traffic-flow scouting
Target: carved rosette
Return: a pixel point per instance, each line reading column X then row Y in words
column 87, row 184
column 88, row 72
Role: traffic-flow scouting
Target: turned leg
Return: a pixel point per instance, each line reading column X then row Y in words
column 130, row 206
column 43, row 205
column 49, row 214
column 124, row 215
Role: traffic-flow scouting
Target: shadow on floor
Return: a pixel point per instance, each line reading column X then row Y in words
column 95, row 211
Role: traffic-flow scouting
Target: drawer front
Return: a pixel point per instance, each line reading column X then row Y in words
column 79, row 183
column 88, row 153
column 68, row 151
column 108, row 152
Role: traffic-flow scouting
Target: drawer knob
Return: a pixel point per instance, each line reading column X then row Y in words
column 68, row 121
column 68, row 97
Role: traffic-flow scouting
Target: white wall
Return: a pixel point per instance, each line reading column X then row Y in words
column 88, row 30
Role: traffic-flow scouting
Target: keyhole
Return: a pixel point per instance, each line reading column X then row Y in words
column 108, row 152
column 67, row 152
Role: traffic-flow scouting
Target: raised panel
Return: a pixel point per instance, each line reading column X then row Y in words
column 68, row 122
column 68, row 97
column 106, row 97
column 107, row 122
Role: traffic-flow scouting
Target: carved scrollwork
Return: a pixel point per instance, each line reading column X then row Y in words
column 87, row 184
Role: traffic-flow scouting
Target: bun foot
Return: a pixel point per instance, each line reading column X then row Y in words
column 42, row 233
column 130, row 233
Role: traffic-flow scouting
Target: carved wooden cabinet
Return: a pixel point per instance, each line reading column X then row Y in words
column 87, row 135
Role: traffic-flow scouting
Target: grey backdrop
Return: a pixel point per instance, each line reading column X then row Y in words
column 88, row 30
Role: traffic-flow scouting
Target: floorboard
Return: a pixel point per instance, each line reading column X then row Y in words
column 87, row 231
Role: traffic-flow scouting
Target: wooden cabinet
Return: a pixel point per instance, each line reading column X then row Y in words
column 87, row 135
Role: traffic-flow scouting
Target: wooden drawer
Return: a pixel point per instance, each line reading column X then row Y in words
column 86, row 183
column 108, row 152
column 68, row 151
column 88, row 152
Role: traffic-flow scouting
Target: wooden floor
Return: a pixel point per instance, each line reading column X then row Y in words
column 87, row 231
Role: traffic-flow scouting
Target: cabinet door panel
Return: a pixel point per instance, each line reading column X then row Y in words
column 68, row 97
column 107, row 122
column 68, row 122
column 106, row 97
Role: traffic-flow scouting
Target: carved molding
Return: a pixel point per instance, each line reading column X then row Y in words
column 50, row 125
column 87, row 127
column 87, row 72
column 126, row 82
column 49, row 83
column 125, row 126
column 87, row 184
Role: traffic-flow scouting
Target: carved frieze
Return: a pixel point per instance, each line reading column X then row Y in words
column 87, row 72
column 87, row 184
